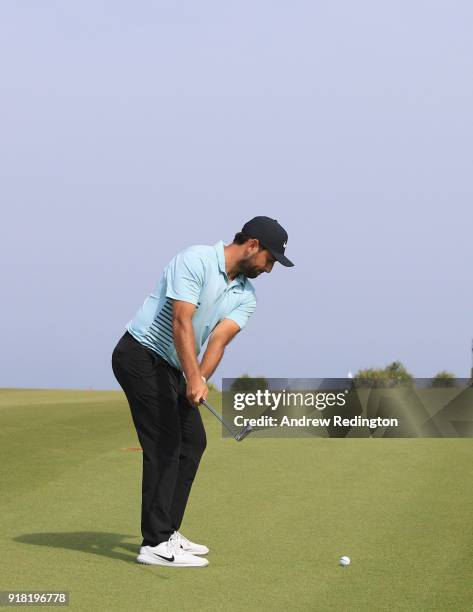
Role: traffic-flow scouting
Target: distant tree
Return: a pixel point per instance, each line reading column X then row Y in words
column 398, row 375
column 443, row 379
column 246, row 383
column 371, row 377
column 393, row 375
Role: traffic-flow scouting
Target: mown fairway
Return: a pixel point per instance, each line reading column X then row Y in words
column 276, row 514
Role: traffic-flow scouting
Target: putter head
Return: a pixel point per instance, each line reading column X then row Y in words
column 239, row 437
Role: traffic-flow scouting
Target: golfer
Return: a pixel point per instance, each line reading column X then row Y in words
column 204, row 292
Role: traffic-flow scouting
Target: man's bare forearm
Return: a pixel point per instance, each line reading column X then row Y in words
column 211, row 358
column 184, row 341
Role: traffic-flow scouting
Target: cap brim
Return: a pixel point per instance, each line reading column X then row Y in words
column 283, row 260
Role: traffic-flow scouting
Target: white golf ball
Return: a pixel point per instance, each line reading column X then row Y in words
column 344, row 561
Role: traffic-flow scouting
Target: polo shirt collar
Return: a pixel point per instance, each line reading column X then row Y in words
column 240, row 279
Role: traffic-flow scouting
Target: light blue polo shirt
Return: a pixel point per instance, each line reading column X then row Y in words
column 196, row 275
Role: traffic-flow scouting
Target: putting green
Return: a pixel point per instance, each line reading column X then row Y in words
column 276, row 513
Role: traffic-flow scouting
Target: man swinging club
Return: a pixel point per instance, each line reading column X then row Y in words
column 204, row 291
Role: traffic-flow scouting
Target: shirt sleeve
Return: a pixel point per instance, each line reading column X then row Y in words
column 185, row 277
column 243, row 312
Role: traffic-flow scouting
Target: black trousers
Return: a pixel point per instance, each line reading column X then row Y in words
column 170, row 431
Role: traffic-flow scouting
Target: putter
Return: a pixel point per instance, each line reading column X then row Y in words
column 239, row 436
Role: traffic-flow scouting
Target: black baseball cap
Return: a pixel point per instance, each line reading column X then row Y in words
column 271, row 236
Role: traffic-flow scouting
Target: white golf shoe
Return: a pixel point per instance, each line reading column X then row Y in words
column 188, row 546
column 169, row 554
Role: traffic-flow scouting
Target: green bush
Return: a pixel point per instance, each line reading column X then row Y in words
column 249, row 383
column 443, row 379
column 393, row 375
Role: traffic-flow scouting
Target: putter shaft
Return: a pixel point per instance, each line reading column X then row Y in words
column 238, row 437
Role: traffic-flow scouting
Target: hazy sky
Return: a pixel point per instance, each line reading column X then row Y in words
column 130, row 130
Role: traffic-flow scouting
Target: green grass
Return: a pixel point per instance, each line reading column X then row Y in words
column 276, row 513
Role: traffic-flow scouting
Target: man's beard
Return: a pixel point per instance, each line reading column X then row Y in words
column 249, row 270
